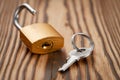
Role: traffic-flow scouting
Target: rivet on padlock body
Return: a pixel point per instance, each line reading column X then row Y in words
column 39, row 37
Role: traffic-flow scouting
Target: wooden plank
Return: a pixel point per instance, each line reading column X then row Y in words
column 99, row 19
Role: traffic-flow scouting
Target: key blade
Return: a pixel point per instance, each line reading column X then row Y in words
column 68, row 64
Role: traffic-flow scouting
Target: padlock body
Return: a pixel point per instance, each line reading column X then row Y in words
column 41, row 38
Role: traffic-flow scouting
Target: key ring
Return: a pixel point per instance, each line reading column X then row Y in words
column 91, row 43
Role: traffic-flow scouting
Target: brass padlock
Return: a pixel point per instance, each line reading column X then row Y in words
column 39, row 37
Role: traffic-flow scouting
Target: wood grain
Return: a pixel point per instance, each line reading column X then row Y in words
column 99, row 19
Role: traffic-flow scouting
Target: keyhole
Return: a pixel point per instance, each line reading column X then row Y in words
column 81, row 50
column 47, row 45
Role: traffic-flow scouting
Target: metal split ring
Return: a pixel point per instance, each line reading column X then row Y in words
column 91, row 43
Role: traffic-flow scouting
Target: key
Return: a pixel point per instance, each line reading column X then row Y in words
column 74, row 56
column 77, row 53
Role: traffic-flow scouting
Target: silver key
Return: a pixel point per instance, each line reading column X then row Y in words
column 74, row 56
column 77, row 53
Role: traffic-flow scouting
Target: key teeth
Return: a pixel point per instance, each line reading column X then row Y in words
column 67, row 58
column 60, row 69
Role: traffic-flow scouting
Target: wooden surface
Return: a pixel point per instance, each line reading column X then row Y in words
column 100, row 19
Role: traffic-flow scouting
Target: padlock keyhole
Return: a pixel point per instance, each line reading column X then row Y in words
column 47, row 45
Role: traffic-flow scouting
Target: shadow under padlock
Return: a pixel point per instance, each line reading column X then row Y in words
column 39, row 37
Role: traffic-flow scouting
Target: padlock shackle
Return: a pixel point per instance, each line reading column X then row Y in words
column 18, row 10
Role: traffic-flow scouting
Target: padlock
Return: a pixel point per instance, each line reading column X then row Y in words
column 40, row 38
